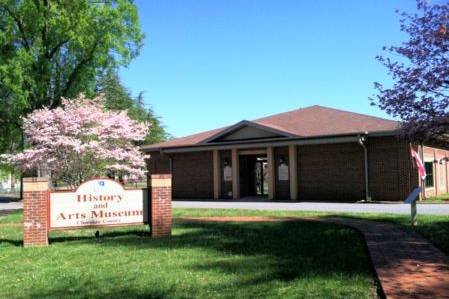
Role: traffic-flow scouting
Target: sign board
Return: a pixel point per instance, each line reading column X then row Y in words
column 98, row 202
column 283, row 172
column 227, row 173
column 411, row 199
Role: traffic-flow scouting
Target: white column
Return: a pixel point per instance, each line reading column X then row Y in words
column 271, row 173
column 217, row 174
column 235, row 174
column 436, row 172
column 293, row 169
column 447, row 178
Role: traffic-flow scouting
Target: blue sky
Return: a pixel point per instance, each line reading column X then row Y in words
column 210, row 63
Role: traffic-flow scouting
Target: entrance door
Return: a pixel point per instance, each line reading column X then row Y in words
column 253, row 175
column 261, row 178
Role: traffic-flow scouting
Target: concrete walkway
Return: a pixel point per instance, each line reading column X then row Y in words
column 394, row 208
column 406, row 265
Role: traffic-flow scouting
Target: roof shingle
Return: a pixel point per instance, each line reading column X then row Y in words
column 311, row 121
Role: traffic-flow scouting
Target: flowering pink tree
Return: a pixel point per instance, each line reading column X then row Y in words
column 81, row 140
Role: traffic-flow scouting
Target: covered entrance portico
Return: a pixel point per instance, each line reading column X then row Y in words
column 256, row 173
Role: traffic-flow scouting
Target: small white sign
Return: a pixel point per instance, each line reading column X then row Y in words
column 227, row 173
column 98, row 202
column 283, row 172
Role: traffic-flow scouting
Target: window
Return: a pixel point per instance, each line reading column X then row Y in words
column 429, row 171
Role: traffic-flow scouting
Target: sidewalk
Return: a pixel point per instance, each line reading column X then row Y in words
column 407, row 265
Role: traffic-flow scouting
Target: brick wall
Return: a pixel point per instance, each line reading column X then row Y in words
column 193, row 175
column 392, row 175
column 282, row 188
column 160, row 207
column 336, row 171
column 35, row 208
column 331, row 172
column 158, row 164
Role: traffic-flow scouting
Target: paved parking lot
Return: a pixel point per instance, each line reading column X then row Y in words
column 9, row 204
column 395, row 208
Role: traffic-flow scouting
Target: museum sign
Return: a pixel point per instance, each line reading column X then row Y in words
column 98, row 202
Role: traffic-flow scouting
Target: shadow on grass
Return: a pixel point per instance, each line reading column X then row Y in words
column 88, row 238
column 89, row 289
column 297, row 247
column 279, row 251
column 5, row 212
column 262, row 256
column 104, row 236
column 18, row 243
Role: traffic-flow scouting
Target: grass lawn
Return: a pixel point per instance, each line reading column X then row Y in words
column 204, row 260
column 210, row 260
column 442, row 198
column 435, row 228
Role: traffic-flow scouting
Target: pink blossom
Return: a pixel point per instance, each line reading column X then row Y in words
column 81, row 139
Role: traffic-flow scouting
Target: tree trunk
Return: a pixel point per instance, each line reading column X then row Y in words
column 22, row 146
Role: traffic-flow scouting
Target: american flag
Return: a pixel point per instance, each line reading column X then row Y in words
column 419, row 164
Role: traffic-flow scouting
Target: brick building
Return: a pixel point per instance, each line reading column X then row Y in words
column 314, row 153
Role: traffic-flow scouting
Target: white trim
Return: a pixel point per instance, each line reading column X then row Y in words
column 249, row 145
column 235, row 174
column 253, row 152
column 246, row 123
column 271, row 173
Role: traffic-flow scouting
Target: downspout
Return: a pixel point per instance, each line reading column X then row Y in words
column 361, row 140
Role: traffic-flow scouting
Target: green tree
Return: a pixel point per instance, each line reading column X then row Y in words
column 57, row 48
column 118, row 97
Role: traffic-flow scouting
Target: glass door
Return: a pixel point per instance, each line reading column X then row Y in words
column 261, row 178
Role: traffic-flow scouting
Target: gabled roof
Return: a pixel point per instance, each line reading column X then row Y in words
column 309, row 122
column 270, row 131
column 323, row 121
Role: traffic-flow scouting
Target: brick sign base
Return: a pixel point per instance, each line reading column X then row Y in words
column 35, row 211
column 160, row 216
column 36, row 206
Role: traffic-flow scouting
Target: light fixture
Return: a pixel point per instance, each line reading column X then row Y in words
column 226, row 162
column 281, row 160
